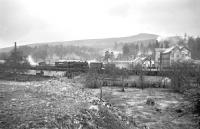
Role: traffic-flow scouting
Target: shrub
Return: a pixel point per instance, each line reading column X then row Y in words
column 92, row 80
column 181, row 75
column 196, row 101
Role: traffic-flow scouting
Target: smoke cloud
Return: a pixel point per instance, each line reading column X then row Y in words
column 31, row 60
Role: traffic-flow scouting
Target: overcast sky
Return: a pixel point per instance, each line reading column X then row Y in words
column 30, row 21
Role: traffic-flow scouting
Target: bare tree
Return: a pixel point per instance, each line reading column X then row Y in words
column 124, row 75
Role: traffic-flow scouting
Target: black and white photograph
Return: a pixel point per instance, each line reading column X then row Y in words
column 99, row 64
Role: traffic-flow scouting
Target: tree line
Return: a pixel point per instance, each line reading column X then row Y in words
column 43, row 52
column 194, row 46
column 133, row 49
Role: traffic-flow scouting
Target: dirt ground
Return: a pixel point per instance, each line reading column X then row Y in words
column 61, row 103
column 171, row 110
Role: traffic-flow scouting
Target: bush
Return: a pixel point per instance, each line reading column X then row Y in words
column 193, row 96
column 196, row 101
column 181, row 75
column 92, row 80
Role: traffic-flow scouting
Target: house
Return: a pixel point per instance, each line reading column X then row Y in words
column 174, row 54
column 158, row 52
column 144, row 61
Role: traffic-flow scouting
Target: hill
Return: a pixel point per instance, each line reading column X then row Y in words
column 107, row 42
column 96, row 43
column 79, row 49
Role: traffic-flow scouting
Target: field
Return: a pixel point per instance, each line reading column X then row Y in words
column 56, row 103
column 171, row 110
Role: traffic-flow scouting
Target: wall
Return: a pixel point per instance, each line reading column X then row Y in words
column 165, row 60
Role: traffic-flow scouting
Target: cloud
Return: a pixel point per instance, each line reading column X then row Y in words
column 31, row 21
column 15, row 21
column 175, row 17
column 121, row 10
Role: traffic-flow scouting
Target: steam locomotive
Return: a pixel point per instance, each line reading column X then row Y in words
column 76, row 67
column 73, row 65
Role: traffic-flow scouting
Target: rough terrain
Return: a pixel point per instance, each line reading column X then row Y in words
column 169, row 110
column 55, row 104
column 62, row 103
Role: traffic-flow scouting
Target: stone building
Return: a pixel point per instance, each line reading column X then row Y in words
column 165, row 57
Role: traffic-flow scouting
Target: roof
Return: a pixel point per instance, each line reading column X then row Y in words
column 70, row 61
column 168, row 50
column 181, row 47
column 140, row 59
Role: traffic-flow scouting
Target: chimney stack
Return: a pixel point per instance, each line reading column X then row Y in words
column 15, row 49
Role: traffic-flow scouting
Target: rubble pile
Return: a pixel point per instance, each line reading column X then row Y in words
column 56, row 104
